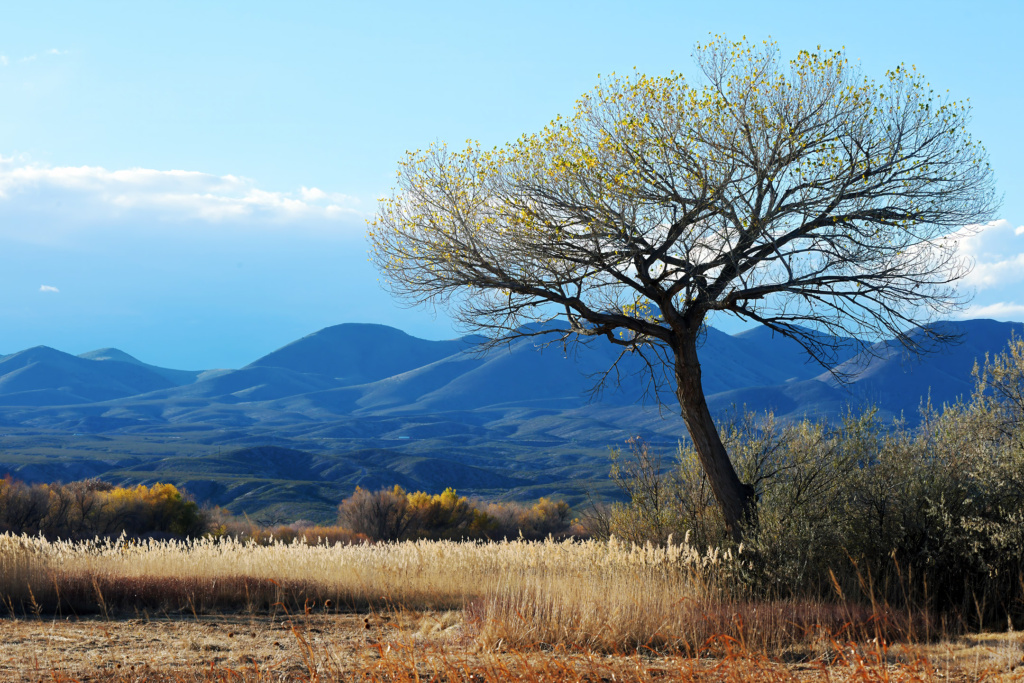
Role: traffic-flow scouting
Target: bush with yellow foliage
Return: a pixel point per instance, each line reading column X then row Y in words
column 394, row 514
column 84, row 509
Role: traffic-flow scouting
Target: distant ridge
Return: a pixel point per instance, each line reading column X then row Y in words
column 887, row 376
column 356, row 353
column 177, row 377
column 898, row 381
column 364, row 369
column 43, row 376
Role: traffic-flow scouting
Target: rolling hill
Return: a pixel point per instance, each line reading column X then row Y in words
column 42, row 376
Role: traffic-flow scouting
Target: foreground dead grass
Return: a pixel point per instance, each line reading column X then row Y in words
column 438, row 646
column 598, row 596
column 442, row 611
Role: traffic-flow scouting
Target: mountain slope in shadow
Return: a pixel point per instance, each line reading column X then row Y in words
column 886, row 376
column 357, row 369
column 357, row 353
column 176, row 377
column 530, row 372
column 42, row 376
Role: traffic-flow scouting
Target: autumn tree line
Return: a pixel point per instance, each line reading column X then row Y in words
column 394, row 514
column 90, row 508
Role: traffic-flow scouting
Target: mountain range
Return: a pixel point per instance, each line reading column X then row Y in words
column 361, row 404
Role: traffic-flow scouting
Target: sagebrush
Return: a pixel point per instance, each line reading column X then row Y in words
column 929, row 516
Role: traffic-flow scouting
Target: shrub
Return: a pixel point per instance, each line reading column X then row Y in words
column 544, row 518
column 381, row 515
column 446, row 515
column 393, row 514
column 930, row 516
column 88, row 508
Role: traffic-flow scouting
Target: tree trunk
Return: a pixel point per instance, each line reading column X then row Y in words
column 735, row 498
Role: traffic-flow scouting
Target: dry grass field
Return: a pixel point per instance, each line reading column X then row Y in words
column 443, row 611
column 437, row 646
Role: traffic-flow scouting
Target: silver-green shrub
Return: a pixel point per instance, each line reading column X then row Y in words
column 928, row 517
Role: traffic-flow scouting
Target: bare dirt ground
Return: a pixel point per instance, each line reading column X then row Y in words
column 97, row 649
column 429, row 646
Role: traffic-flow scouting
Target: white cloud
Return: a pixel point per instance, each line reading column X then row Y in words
column 997, row 273
column 997, row 250
column 32, row 58
column 1001, row 310
column 3, row 60
column 312, row 193
column 90, row 195
column 48, row 288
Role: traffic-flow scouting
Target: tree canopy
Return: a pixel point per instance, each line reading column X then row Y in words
column 801, row 195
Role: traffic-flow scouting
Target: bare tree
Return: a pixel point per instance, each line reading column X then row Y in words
column 382, row 515
column 802, row 196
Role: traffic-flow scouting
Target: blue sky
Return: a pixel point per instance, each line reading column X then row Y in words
column 189, row 182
